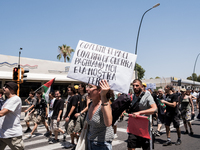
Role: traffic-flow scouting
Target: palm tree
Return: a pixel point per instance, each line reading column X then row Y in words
column 65, row 51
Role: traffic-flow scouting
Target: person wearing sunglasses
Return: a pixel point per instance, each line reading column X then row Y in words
column 10, row 127
column 99, row 118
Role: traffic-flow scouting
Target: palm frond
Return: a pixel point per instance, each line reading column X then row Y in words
column 59, row 56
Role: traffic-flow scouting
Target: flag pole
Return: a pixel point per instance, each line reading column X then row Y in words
column 35, row 91
column 40, row 88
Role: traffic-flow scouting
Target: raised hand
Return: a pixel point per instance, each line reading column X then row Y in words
column 104, row 87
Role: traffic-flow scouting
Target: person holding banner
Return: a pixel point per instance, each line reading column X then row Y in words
column 99, row 117
column 142, row 104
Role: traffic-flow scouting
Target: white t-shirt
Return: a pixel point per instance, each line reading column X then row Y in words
column 10, row 123
column 51, row 105
column 195, row 95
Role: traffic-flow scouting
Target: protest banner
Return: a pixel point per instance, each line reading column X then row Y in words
column 92, row 63
column 139, row 126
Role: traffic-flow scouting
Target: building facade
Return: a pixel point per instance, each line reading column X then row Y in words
column 162, row 82
column 40, row 72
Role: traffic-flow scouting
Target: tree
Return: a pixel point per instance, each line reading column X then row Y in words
column 198, row 78
column 157, row 77
column 194, row 77
column 189, row 78
column 140, row 71
column 65, row 51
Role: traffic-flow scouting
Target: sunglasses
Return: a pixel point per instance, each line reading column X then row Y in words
column 6, row 86
column 136, row 85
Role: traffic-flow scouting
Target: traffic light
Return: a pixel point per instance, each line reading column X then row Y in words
column 15, row 74
column 179, row 82
column 23, row 75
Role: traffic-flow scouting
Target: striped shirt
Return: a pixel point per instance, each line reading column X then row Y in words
column 98, row 131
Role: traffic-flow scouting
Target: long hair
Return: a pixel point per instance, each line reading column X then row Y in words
column 39, row 92
column 72, row 89
column 83, row 85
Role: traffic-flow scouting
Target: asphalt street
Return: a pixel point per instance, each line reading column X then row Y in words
column 40, row 142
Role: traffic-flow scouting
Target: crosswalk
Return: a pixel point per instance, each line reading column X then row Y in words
column 40, row 142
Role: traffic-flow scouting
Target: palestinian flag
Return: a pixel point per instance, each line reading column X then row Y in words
column 47, row 89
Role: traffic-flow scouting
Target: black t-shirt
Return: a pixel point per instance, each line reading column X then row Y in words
column 57, row 106
column 82, row 101
column 73, row 101
column 41, row 107
column 161, row 106
column 171, row 110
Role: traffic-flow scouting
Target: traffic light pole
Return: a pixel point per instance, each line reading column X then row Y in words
column 19, row 79
column 19, row 75
column 18, row 82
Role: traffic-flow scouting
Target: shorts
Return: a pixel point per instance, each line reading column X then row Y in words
column 15, row 143
column 69, row 126
column 186, row 115
column 54, row 125
column 161, row 119
column 40, row 119
column 135, row 141
column 31, row 117
column 79, row 124
column 174, row 119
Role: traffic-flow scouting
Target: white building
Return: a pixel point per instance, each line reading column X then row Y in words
column 162, row 82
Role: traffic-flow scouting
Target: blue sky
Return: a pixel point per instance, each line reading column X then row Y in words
column 169, row 36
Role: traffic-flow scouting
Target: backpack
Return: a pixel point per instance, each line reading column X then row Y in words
column 134, row 106
column 119, row 105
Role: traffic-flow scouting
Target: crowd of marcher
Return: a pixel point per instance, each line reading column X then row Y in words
column 90, row 106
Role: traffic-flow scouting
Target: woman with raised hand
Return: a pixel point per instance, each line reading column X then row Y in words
column 99, row 117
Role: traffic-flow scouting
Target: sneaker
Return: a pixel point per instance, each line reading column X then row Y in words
column 157, row 133
column 70, row 145
column 29, row 136
column 198, row 117
column 52, row 141
column 115, row 136
column 191, row 133
column 28, row 130
column 47, row 134
column 186, row 132
column 193, row 115
column 167, row 143
column 64, row 137
column 178, row 142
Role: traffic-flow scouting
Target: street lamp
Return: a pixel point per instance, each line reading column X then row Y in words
column 194, row 68
column 139, row 30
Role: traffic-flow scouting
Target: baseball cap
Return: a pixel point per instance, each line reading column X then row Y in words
column 144, row 84
column 183, row 90
column 76, row 87
column 12, row 85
